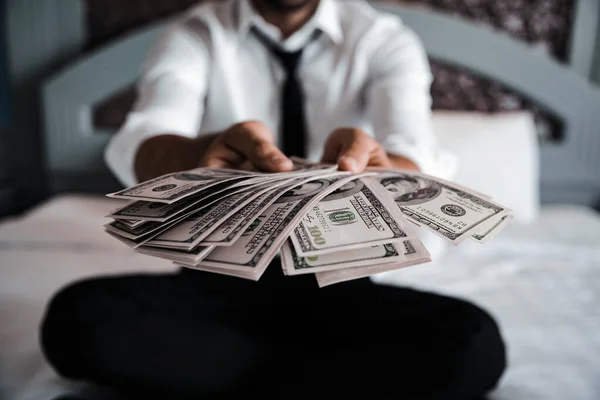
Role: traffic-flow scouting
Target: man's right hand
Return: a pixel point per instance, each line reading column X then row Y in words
column 247, row 145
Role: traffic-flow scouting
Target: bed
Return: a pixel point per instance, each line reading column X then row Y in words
column 540, row 278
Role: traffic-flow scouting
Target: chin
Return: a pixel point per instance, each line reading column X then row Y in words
column 287, row 5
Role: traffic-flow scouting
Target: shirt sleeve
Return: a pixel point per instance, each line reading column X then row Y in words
column 398, row 100
column 170, row 97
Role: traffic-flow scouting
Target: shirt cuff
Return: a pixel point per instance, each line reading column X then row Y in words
column 121, row 150
column 119, row 157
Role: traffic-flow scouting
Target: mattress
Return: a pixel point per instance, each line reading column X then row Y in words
column 541, row 282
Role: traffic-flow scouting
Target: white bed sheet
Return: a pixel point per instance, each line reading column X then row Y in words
column 57, row 243
column 541, row 282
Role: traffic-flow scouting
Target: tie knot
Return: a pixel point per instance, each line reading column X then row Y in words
column 289, row 59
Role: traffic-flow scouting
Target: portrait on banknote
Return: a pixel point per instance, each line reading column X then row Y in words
column 410, row 190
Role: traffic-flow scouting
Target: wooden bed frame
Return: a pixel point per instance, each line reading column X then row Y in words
column 570, row 169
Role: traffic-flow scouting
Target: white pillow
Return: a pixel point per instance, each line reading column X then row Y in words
column 498, row 155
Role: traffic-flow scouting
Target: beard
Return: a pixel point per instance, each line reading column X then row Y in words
column 285, row 6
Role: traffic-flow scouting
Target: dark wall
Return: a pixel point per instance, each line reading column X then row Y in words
column 4, row 91
column 596, row 65
column 5, row 190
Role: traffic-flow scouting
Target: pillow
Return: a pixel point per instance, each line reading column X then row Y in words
column 498, row 155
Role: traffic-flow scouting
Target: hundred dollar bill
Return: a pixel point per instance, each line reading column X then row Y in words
column 134, row 238
column 231, row 230
column 490, row 228
column 294, row 264
column 176, row 186
column 448, row 210
column 194, row 256
column 135, row 243
column 253, row 251
column 162, row 212
column 150, row 229
column 457, row 185
column 302, row 164
column 261, row 178
column 191, row 232
column 128, row 242
column 135, row 233
column 132, row 223
column 359, row 214
column 414, row 254
column 238, row 274
column 301, row 168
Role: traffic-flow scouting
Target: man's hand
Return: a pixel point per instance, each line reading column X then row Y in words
column 353, row 150
column 248, row 145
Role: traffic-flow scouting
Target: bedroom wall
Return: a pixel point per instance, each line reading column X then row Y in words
column 5, row 190
column 41, row 37
column 596, row 63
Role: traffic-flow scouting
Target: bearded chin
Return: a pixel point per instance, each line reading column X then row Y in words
column 286, row 5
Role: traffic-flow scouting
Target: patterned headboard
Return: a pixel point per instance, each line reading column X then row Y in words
column 545, row 24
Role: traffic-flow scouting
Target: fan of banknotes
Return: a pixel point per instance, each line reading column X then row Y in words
column 321, row 221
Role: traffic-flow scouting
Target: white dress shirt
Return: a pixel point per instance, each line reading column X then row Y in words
column 208, row 72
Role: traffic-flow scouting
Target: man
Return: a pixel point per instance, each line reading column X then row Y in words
column 245, row 84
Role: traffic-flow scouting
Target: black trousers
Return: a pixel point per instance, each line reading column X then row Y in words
column 201, row 335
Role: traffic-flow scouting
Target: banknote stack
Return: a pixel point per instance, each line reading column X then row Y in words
column 320, row 221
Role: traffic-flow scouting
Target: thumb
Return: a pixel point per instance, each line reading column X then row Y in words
column 353, row 148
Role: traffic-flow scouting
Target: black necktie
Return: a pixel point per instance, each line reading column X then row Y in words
column 293, row 123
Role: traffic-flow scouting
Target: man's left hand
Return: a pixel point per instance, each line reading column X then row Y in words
column 354, row 150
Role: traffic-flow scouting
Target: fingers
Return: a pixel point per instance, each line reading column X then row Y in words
column 218, row 155
column 252, row 142
column 332, row 149
column 355, row 155
column 380, row 158
column 352, row 149
column 249, row 145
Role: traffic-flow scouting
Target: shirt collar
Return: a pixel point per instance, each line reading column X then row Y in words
column 326, row 19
